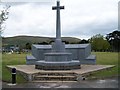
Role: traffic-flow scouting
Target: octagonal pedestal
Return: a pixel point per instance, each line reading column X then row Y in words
column 65, row 65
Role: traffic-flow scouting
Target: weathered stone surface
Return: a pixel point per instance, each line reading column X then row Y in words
column 65, row 63
column 58, row 46
column 58, row 57
column 59, row 67
column 81, row 52
column 30, row 60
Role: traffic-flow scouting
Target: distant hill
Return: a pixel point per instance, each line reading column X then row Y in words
column 22, row 40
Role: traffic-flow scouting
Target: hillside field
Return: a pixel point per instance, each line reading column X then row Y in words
column 23, row 40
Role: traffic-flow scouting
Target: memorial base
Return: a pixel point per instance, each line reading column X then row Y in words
column 56, row 67
column 68, row 65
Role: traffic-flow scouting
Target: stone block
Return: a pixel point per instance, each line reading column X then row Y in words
column 57, row 57
column 68, row 65
column 90, row 60
column 30, row 60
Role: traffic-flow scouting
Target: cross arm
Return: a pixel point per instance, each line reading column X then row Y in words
column 60, row 7
column 54, row 8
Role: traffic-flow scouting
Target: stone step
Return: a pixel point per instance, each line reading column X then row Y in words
column 57, row 73
column 54, row 79
column 61, row 78
column 45, row 81
column 55, row 76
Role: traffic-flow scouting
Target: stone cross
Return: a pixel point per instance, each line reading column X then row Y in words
column 58, row 27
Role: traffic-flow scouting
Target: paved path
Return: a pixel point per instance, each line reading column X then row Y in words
column 103, row 83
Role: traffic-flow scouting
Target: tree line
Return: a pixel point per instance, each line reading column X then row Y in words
column 111, row 42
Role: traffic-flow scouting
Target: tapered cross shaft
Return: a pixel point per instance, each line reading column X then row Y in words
column 58, row 24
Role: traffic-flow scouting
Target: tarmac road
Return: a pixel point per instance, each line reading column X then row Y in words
column 102, row 83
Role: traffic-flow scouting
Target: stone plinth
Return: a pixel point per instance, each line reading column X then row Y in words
column 81, row 52
column 58, row 57
column 65, row 65
column 58, row 46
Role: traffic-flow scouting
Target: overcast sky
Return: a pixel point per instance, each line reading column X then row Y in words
column 80, row 18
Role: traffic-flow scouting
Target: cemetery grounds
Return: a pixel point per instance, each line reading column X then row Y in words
column 103, row 58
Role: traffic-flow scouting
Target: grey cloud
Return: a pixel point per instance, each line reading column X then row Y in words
column 92, row 29
column 81, row 18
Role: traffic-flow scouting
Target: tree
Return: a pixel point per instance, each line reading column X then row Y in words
column 99, row 43
column 28, row 46
column 3, row 17
column 114, row 40
column 44, row 43
column 66, row 42
column 84, row 41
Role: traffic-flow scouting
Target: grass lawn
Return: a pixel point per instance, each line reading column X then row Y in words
column 104, row 58
column 12, row 59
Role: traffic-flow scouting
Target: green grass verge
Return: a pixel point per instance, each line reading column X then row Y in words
column 103, row 58
column 106, row 58
column 12, row 59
